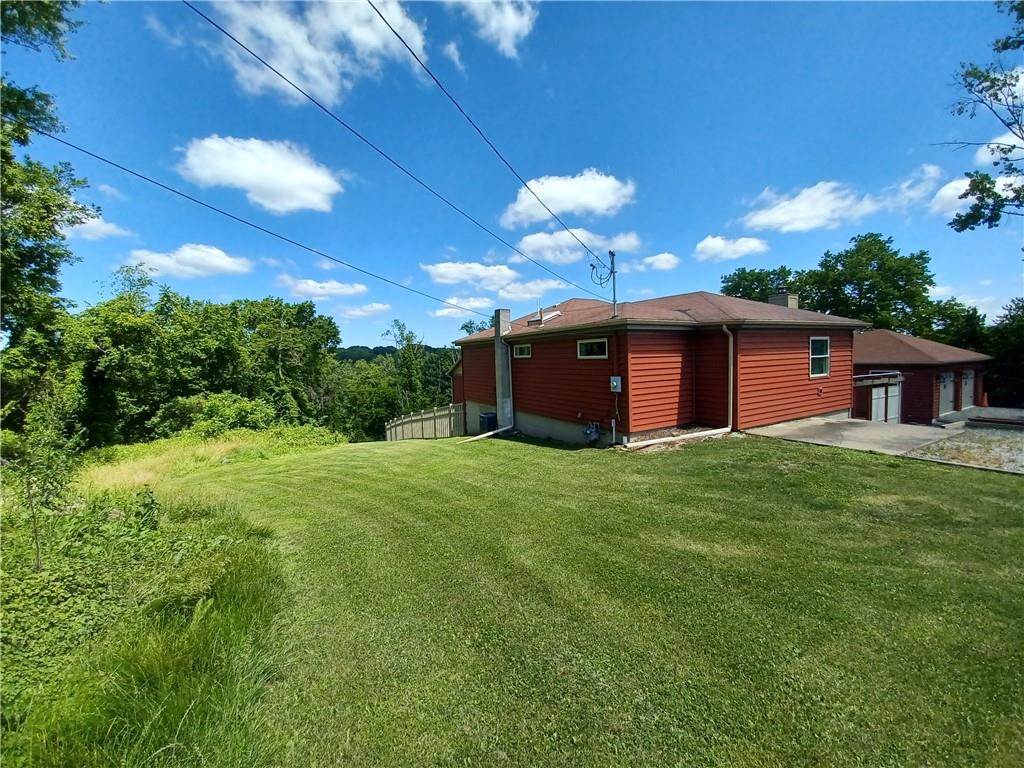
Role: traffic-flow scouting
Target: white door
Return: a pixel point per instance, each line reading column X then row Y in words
column 893, row 404
column 967, row 389
column 878, row 403
column 946, row 383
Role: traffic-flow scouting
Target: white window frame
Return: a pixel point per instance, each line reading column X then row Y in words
column 516, row 348
column 581, row 342
column 811, row 357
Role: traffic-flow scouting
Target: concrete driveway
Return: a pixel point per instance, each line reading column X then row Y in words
column 860, row 435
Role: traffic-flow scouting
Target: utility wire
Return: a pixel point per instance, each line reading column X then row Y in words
column 483, row 136
column 253, row 225
column 382, row 153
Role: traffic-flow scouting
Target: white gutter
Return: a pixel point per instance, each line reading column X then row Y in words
column 677, row 438
column 493, row 432
column 732, row 376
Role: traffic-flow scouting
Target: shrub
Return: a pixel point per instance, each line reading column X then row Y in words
column 210, row 415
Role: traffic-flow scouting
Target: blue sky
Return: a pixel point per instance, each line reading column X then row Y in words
column 693, row 138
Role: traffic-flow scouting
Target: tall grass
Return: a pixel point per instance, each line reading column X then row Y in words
column 176, row 665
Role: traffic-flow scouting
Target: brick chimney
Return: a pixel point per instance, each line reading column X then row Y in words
column 785, row 299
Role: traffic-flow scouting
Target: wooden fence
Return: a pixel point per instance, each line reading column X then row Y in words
column 446, row 421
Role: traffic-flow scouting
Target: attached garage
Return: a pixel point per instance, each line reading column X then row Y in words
column 936, row 378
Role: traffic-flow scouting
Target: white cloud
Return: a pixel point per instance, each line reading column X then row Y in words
column 276, row 175
column 560, row 247
column 191, row 260
column 367, row 310
column 824, row 205
column 530, row 290
column 588, row 192
column 662, row 261
column 947, row 200
column 940, row 291
column 718, row 248
column 504, row 23
column 918, row 187
column 985, row 283
column 489, row 277
column 451, row 51
column 658, row 262
column 110, row 192
column 324, row 48
column 172, row 37
column 828, row 204
column 270, row 262
column 327, row 265
column 469, row 302
column 319, row 289
column 97, row 229
column 989, row 153
column 987, row 305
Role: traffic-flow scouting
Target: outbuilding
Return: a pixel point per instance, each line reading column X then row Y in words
column 631, row 370
column 935, row 378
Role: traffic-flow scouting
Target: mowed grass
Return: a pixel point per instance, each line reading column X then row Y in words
column 738, row 602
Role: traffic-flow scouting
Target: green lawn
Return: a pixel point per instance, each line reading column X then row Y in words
column 738, row 602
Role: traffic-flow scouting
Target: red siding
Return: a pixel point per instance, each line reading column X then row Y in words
column 555, row 384
column 711, row 366
column 774, row 382
column 660, row 379
column 478, row 374
column 458, row 388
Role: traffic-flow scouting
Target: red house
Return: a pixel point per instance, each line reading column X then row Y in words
column 937, row 378
column 692, row 359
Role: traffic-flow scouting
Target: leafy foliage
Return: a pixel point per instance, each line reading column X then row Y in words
column 144, row 639
column 1005, row 376
column 211, row 415
column 995, row 90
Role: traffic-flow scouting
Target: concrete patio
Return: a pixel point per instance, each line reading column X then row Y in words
column 860, row 435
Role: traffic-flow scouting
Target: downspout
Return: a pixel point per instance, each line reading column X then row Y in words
column 732, row 377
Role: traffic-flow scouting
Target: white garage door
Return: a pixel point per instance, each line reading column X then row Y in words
column 967, row 389
column 885, row 403
column 946, row 383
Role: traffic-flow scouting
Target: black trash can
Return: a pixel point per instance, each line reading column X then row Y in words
column 488, row 422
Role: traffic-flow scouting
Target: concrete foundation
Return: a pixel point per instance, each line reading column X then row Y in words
column 473, row 411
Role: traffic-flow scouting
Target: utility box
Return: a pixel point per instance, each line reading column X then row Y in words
column 488, row 422
column 616, row 383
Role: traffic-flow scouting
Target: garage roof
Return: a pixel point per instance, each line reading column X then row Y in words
column 684, row 309
column 881, row 347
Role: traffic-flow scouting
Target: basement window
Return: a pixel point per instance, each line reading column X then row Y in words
column 819, row 356
column 522, row 350
column 592, row 349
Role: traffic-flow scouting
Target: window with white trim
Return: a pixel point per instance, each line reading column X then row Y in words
column 592, row 349
column 522, row 350
column 820, row 350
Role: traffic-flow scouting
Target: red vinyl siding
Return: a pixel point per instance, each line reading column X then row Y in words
column 478, row 374
column 458, row 389
column 554, row 383
column 660, row 379
column 711, row 367
column 774, row 382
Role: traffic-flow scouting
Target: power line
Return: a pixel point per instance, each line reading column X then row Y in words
column 253, row 225
column 483, row 136
column 384, row 154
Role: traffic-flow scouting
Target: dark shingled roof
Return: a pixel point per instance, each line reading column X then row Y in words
column 685, row 309
column 891, row 348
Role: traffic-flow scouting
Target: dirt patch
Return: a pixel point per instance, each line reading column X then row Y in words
column 996, row 448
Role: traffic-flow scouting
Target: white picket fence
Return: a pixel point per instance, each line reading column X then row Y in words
column 446, row 421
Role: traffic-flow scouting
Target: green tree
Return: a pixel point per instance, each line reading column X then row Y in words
column 994, row 90
column 872, row 281
column 953, row 322
column 1005, row 375
column 758, row 284
column 38, row 202
column 407, row 366
column 475, row 326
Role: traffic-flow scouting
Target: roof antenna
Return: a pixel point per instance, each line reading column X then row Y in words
column 615, row 301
